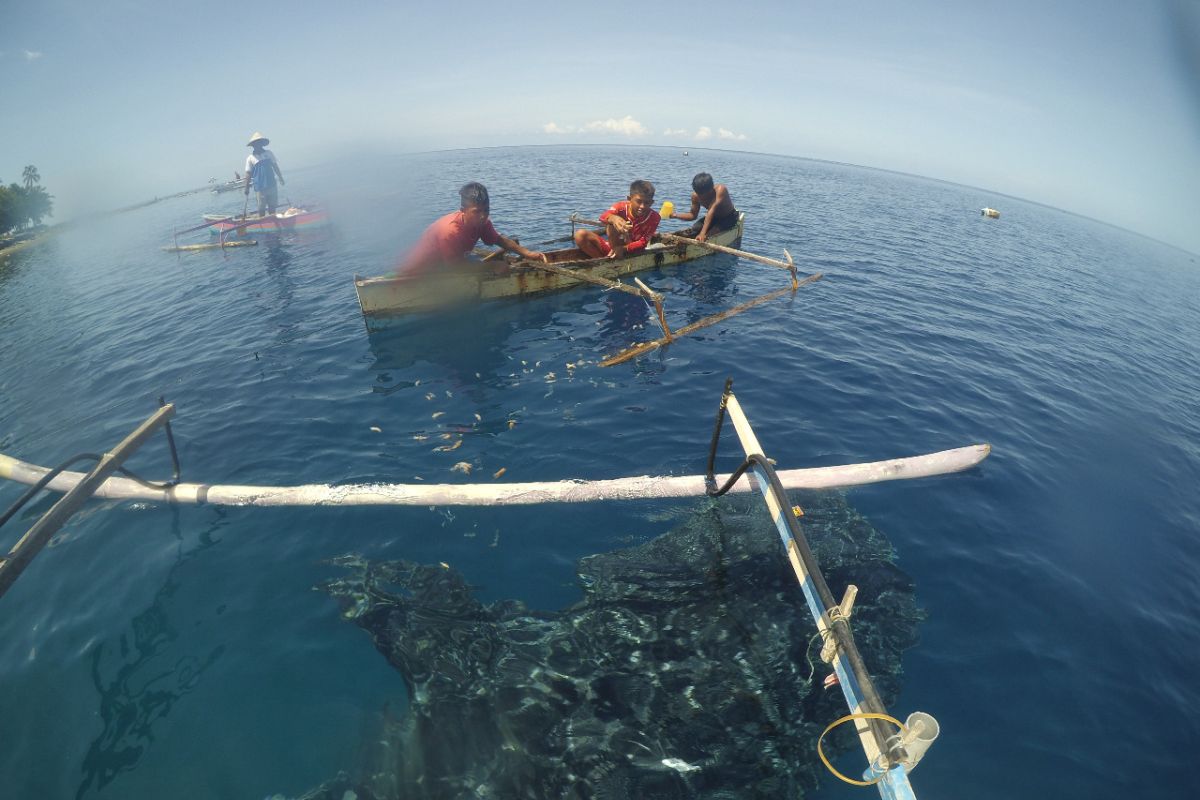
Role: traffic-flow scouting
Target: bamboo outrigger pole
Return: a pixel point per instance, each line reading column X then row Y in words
column 669, row 336
column 891, row 756
column 82, row 488
column 184, row 248
column 646, row 347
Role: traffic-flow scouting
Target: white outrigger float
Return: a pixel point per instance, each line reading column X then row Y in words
column 891, row 756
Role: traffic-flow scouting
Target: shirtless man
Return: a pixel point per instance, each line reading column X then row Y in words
column 721, row 215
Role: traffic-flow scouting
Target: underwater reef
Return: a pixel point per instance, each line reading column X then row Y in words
column 689, row 668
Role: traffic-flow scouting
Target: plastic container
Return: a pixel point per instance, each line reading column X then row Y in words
column 668, row 208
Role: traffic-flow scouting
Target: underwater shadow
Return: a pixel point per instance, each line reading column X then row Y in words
column 140, row 678
column 688, row 669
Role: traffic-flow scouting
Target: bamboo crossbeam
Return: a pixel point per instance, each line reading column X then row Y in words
column 646, row 347
column 583, row 277
column 81, row 488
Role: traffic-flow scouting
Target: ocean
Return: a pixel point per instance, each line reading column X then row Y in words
column 192, row 651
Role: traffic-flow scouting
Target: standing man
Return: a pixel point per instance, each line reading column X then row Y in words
column 261, row 170
column 721, row 215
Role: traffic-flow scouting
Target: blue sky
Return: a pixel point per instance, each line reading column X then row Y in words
column 1093, row 107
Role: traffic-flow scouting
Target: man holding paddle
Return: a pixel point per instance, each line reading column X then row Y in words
column 261, row 171
column 721, row 214
column 452, row 237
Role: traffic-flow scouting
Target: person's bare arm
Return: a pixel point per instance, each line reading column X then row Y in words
column 515, row 246
column 688, row 216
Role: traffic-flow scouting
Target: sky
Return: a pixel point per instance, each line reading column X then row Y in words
column 1091, row 107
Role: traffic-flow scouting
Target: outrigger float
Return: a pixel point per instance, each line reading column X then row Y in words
column 891, row 756
column 389, row 296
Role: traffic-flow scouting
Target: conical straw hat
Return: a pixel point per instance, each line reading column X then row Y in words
column 257, row 137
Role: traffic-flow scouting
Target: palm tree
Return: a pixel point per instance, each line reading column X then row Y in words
column 30, row 176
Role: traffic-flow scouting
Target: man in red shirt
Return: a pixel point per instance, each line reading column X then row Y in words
column 630, row 225
column 452, row 237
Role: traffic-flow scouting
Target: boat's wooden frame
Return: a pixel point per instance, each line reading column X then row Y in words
column 469, row 282
column 387, row 297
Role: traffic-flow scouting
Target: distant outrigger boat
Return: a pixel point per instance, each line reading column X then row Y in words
column 227, row 186
column 288, row 220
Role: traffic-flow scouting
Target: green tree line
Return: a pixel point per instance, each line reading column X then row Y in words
column 24, row 204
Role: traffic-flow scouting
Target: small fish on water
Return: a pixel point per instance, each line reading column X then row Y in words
column 463, row 466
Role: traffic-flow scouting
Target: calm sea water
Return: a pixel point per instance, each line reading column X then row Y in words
column 157, row 651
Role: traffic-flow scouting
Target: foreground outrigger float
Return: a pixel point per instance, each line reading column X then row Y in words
column 891, row 756
column 493, row 494
column 389, row 296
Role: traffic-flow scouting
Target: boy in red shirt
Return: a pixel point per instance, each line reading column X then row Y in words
column 630, row 225
column 452, row 237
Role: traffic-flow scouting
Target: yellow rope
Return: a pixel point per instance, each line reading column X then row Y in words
column 847, row 718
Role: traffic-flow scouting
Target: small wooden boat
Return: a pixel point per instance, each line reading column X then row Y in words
column 290, row 219
column 391, row 295
column 990, row 212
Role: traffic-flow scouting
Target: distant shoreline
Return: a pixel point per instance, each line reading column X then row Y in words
column 14, row 244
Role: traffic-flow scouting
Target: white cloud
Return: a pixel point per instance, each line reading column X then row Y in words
column 675, row 132
column 722, row 133
column 626, row 126
column 705, row 132
column 551, row 127
column 32, row 55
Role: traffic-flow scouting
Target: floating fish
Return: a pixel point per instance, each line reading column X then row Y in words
column 463, row 466
column 499, row 472
column 437, row 414
column 376, row 429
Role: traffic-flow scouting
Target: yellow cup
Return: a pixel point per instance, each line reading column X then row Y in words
column 668, row 208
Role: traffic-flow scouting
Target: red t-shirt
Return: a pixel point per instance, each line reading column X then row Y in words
column 639, row 235
column 448, row 239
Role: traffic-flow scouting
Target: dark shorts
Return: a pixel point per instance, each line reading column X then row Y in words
column 722, row 223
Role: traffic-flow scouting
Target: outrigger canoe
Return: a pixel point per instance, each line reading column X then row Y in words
column 290, row 219
column 391, row 295
column 227, row 186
